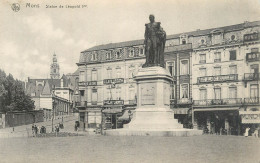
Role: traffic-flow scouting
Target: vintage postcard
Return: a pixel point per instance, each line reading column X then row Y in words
column 129, row 81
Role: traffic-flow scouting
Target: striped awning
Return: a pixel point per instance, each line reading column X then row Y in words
column 181, row 110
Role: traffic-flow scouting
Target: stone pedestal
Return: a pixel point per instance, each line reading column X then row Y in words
column 153, row 115
column 153, row 101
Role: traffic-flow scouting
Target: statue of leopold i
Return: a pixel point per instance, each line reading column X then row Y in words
column 154, row 42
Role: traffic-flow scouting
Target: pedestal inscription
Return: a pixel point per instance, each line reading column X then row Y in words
column 147, row 95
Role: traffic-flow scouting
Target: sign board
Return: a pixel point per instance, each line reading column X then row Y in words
column 250, row 116
column 112, row 81
column 88, row 83
column 251, row 37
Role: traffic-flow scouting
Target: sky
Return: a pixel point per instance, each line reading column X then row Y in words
column 30, row 37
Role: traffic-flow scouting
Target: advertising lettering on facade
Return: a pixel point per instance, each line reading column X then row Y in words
column 251, row 37
column 114, row 81
column 250, row 117
column 88, row 83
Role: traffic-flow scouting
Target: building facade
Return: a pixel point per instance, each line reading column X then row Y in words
column 215, row 78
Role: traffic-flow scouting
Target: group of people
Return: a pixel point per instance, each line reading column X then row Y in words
column 42, row 130
column 255, row 133
column 36, row 129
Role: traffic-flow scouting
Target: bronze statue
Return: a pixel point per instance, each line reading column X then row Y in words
column 154, row 42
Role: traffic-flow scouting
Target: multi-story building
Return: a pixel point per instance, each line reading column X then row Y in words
column 225, row 64
column 209, row 68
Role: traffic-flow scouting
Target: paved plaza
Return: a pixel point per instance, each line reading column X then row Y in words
column 206, row 148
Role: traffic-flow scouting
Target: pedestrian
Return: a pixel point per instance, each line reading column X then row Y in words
column 256, row 133
column 247, row 131
column 33, row 130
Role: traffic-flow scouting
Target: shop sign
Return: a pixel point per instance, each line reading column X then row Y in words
column 251, row 37
column 113, row 81
column 250, row 116
column 88, row 83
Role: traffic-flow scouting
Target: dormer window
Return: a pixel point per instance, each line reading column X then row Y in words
column 108, row 55
column 183, row 41
column 233, row 37
column 94, row 56
column 131, row 54
column 141, row 51
column 118, row 55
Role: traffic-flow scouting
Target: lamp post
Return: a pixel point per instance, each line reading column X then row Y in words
column 53, row 107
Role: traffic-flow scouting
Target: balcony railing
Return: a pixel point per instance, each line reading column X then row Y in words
column 113, row 102
column 251, row 76
column 184, row 101
column 252, row 100
column 132, row 102
column 210, row 102
column 251, row 57
column 81, row 104
column 219, row 78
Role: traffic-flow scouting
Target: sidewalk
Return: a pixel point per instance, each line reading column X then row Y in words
column 26, row 130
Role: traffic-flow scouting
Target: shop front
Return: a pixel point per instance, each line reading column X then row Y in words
column 250, row 119
column 221, row 121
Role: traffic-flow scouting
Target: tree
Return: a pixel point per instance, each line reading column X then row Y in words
column 12, row 95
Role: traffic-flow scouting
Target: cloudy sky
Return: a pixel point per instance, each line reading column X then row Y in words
column 29, row 37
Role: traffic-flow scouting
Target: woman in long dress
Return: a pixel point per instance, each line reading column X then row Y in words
column 247, row 130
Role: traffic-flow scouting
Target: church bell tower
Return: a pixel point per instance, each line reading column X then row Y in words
column 55, row 68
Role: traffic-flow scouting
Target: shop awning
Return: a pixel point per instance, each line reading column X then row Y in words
column 125, row 116
column 181, row 110
column 250, row 116
column 112, row 110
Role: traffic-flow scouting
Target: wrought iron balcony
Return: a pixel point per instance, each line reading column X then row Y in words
column 251, row 57
column 184, row 101
column 113, row 102
column 219, row 78
column 251, row 76
column 132, row 102
column 81, row 104
column 211, row 102
column 217, row 60
column 252, row 100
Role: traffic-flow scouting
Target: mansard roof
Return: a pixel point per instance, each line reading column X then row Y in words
column 174, row 36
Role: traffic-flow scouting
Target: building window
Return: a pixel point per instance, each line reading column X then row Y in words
column 141, row 51
column 254, row 50
column 118, row 73
column 203, row 94
column 82, row 92
column 57, row 93
column 131, row 94
column 203, row 72
column 109, row 94
column 202, row 58
column 217, row 93
column 217, row 57
column 232, row 55
column 184, row 67
column 173, row 92
column 254, row 69
column 131, row 72
column 94, row 75
column 202, row 41
column 109, row 73
column 118, row 94
column 233, row 69
column 108, row 55
column 183, row 41
column 184, row 91
column 94, row 57
column 118, row 56
column 81, row 76
column 170, row 67
column 233, row 37
column 132, row 53
column 54, row 70
column 254, row 91
column 94, row 96
column 217, row 71
column 232, row 92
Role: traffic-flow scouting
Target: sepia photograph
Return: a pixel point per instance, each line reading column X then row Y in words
column 149, row 81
